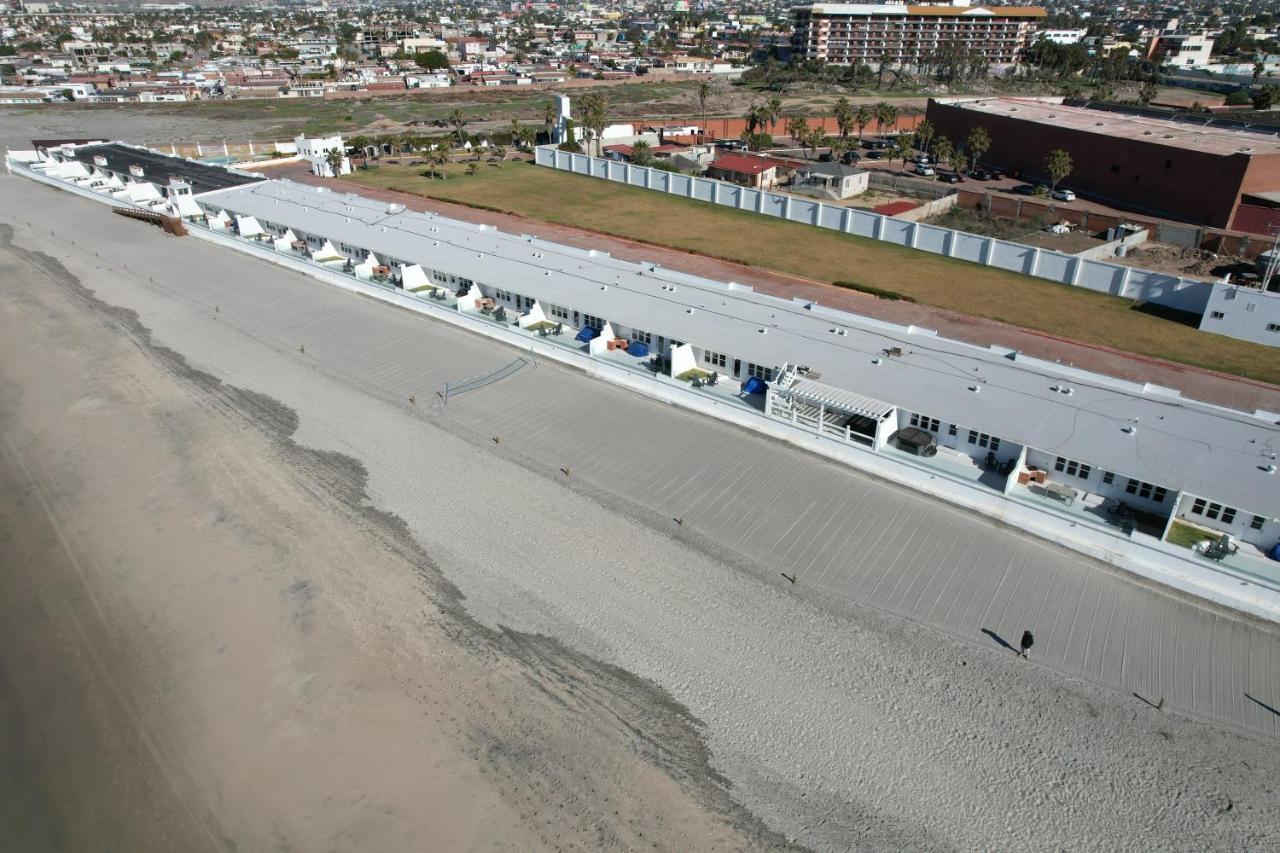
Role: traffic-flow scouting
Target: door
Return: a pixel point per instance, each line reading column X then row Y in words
column 737, row 368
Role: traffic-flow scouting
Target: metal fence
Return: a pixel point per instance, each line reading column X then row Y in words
column 1171, row 291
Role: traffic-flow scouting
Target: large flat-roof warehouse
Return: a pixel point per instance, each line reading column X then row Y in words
column 1186, row 170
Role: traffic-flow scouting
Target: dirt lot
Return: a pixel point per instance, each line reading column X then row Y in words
column 540, row 193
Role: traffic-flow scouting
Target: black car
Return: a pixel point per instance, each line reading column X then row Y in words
column 850, row 157
column 914, row 441
column 951, row 178
column 1024, row 189
column 980, row 175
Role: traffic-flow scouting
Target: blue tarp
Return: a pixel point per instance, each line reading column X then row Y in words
column 754, row 385
column 637, row 349
column 586, row 333
column 1274, row 553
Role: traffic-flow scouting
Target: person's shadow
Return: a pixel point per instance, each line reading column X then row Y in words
column 1262, row 704
column 1001, row 640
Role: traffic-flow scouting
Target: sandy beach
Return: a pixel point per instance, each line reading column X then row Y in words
column 255, row 600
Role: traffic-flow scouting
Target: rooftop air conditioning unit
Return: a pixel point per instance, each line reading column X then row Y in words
column 395, row 207
column 136, row 170
column 99, row 160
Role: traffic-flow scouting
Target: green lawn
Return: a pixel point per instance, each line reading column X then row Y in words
column 790, row 247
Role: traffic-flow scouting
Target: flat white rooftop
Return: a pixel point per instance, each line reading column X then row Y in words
column 1146, row 433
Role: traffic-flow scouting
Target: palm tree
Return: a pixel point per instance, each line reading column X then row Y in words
column 334, row 157
column 798, row 128
column 886, row 114
column 844, row 117
column 515, row 130
column 924, row 134
column 527, row 136
column 459, row 121
column 641, row 153
column 978, row 142
column 550, row 115
column 943, row 150
column 863, row 117
column 704, row 92
column 901, row 149
column 595, row 118
column 772, row 113
column 813, row 137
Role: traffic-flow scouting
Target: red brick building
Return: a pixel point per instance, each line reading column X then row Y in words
column 1216, row 176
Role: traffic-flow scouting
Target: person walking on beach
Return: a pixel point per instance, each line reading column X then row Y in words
column 1027, row 642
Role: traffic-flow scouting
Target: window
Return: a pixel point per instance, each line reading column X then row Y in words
column 1218, row 512
column 594, row 322
column 925, row 422
column 760, row 371
column 1108, row 478
column 1256, row 522
column 1148, row 491
column 715, row 358
column 642, row 337
column 1217, row 315
column 1249, row 307
column 560, row 311
column 983, row 440
column 951, row 429
column 1273, row 327
column 1072, row 468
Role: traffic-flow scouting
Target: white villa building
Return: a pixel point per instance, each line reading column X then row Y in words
column 316, row 151
column 1124, row 463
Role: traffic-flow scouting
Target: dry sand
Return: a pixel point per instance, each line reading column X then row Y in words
column 210, row 642
column 216, row 636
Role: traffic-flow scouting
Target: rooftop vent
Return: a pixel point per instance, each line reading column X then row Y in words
column 99, row 160
column 136, row 170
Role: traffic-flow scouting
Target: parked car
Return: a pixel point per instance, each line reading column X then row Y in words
column 951, row 178
column 921, row 158
column 925, row 170
column 1063, row 195
column 875, row 155
column 980, row 175
column 850, row 157
column 825, row 157
column 1024, row 189
column 915, row 441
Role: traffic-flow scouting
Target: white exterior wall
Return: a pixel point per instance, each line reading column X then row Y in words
column 1246, row 313
column 314, row 151
column 1240, row 527
column 1094, row 484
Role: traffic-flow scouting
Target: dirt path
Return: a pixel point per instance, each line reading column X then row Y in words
column 1195, row 382
column 210, row 641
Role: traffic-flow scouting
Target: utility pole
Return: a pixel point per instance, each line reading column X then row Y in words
column 1273, row 262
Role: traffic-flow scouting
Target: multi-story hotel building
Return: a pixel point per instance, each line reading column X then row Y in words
column 849, row 34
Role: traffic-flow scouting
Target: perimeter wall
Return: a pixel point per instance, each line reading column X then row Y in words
column 1189, row 295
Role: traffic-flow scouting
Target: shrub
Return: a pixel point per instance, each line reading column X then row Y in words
column 891, row 295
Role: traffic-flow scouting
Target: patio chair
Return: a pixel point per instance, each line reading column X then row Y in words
column 558, row 329
column 713, row 379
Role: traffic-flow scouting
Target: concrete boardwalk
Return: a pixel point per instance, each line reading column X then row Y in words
column 841, row 533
